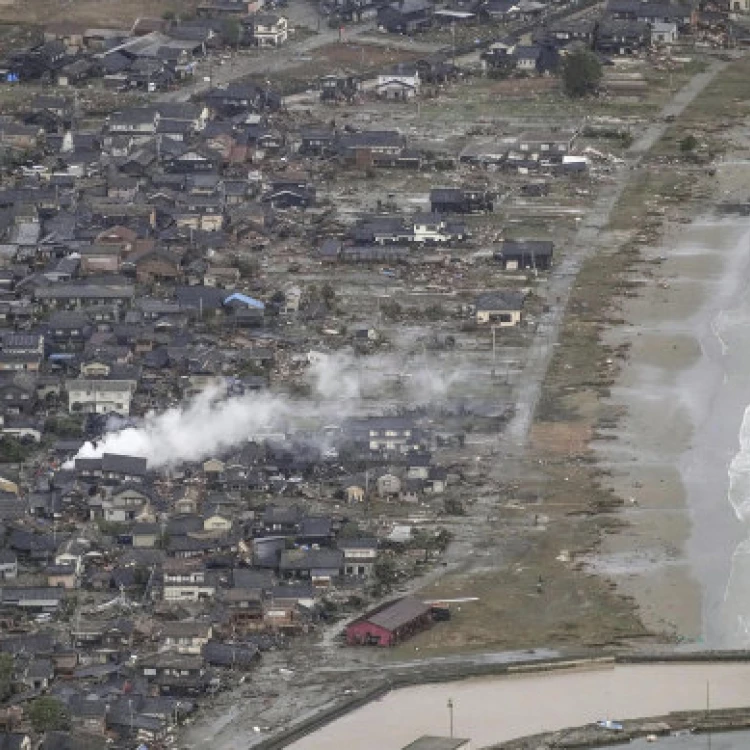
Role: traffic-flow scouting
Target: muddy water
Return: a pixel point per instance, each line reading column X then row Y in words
column 490, row 710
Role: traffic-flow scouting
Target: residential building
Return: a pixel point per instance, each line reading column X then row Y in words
column 502, row 308
column 90, row 396
column 185, row 637
column 270, row 30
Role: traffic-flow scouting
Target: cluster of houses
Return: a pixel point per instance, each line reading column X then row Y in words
column 625, row 27
column 170, row 584
column 133, row 277
column 154, row 55
column 622, row 28
column 659, row 22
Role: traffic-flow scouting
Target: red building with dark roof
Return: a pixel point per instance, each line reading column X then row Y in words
column 389, row 623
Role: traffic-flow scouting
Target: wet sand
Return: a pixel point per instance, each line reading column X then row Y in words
column 492, row 710
column 684, row 399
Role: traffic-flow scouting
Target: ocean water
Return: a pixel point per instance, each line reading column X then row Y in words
column 716, row 470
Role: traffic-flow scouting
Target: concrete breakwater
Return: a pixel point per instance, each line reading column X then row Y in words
column 694, row 722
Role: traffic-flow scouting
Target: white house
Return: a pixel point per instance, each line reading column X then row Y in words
column 502, row 308
column 186, row 637
column 100, row 396
column 217, row 523
column 430, row 228
column 183, row 584
column 8, row 564
column 128, row 504
column 360, row 555
column 401, row 83
column 270, row 30
column 664, row 33
column 72, row 553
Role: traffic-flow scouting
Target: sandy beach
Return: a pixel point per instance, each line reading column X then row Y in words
column 683, row 389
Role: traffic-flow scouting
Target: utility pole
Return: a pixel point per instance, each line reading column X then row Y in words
column 494, row 351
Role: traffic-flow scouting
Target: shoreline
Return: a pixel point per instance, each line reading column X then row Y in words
column 682, row 412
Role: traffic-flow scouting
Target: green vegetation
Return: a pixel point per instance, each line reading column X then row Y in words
column 64, row 426
column 6, row 676
column 48, row 714
column 581, row 73
column 14, row 451
column 688, row 144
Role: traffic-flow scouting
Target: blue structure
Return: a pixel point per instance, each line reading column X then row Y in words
column 243, row 299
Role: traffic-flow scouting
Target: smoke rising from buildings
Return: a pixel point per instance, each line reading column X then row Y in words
column 340, row 385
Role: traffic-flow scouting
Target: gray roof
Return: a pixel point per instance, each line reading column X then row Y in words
column 302, row 559
column 372, row 139
column 500, row 300
column 362, row 542
column 185, row 629
column 124, row 464
column 396, row 614
column 32, row 593
column 85, row 291
column 230, row 654
column 101, row 386
column 527, row 247
column 68, row 319
column 21, row 340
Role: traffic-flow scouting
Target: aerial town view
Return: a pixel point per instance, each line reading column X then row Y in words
column 374, row 374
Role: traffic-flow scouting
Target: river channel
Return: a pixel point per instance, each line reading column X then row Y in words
column 492, row 709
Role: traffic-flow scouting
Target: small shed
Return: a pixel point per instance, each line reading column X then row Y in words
column 390, row 623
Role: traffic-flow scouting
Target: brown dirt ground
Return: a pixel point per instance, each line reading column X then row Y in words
column 94, row 13
column 358, row 56
column 360, row 59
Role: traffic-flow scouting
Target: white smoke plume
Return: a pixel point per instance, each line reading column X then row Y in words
column 210, row 423
column 206, row 425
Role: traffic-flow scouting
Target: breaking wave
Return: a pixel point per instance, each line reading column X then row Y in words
column 739, row 473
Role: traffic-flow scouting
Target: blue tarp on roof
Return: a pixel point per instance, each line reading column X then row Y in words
column 245, row 300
